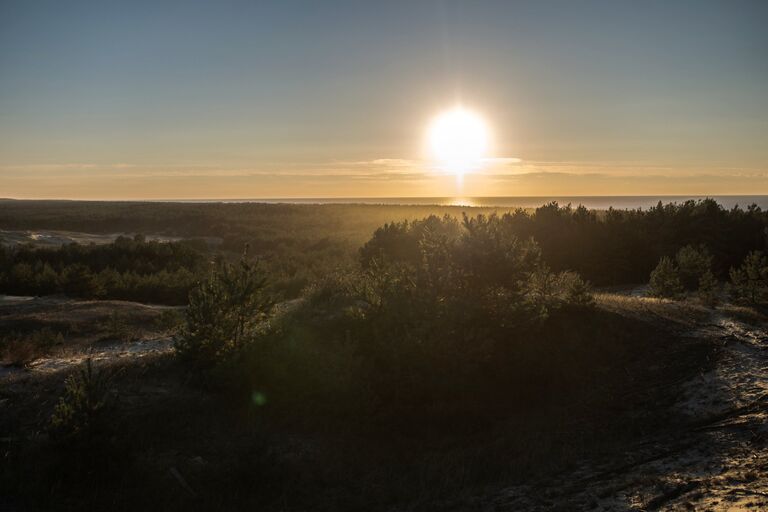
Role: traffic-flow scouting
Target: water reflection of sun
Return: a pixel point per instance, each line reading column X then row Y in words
column 461, row 201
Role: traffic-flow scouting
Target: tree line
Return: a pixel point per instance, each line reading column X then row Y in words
column 617, row 247
column 445, row 319
column 127, row 269
column 300, row 244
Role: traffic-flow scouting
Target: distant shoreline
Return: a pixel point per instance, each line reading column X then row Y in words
column 592, row 202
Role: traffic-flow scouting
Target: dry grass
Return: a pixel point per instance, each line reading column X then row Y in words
column 20, row 352
column 746, row 314
column 84, row 322
column 685, row 313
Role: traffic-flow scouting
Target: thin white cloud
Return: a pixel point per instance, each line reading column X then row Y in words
column 381, row 169
column 395, row 162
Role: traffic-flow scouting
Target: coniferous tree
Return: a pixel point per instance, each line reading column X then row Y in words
column 665, row 280
column 708, row 288
column 225, row 311
column 80, row 410
column 692, row 263
column 749, row 282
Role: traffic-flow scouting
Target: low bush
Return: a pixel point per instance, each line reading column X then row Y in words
column 693, row 263
column 80, row 411
column 445, row 327
column 749, row 282
column 20, row 350
column 170, row 321
column 226, row 311
column 665, row 280
column 708, row 287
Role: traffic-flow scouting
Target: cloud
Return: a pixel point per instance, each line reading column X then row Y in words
column 394, row 162
column 502, row 160
column 500, row 170
column 64, row 167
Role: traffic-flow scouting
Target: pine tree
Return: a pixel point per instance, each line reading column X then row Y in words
column 224, row 312
column 708, row 288
column 665, row 280
column 749, row 282
column 692, row 263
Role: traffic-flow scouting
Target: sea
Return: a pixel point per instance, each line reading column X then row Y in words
column 591, row 202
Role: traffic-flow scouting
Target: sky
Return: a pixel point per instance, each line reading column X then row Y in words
column 251, row 99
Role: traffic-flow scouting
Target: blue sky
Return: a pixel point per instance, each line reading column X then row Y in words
column 297, row 98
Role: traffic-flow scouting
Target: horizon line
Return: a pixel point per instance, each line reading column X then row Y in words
column 331, row 198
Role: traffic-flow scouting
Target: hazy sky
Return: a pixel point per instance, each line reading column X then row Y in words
column 187, row 99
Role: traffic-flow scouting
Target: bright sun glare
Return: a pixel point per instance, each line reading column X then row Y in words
column 458, row 140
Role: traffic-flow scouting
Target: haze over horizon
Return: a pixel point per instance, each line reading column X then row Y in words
column 223, row 100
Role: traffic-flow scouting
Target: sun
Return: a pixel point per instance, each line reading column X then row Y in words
column 458, row 140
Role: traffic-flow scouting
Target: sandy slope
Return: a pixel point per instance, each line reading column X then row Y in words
column 718, row 462
column 55, row 309
column 86, row 324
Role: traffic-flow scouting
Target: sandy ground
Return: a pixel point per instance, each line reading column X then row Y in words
column 56, row 310
column 718, row 462
column 99, row 354
column 86, row 328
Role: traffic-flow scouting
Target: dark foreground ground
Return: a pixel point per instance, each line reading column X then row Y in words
column 717, row 459
column 684, row 429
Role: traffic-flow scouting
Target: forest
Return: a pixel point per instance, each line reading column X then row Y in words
column 328, row 360
column 128, row 269
column 299, row 244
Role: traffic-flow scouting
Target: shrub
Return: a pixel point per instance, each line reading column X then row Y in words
column 749, row 282
column 170, row 320
column 546, row 289
column 80, row 410
column 708, row 288
column 577, row 291
column 401, row 241
column 117, row 328
column 439, row 323
column 665, row 280
column 692, row 263
column 225, row 311
column 449, row 321
column 20, row 350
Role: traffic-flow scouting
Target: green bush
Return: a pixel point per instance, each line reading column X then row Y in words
column 708, row 288
column 450, row 321
column 80, row 412
column 170, row 320
column 749, row 282
column 692, row 263
column 546, row 289
column 440, row 319
column 665, row 280
column 576, row 290
column 225, row 312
